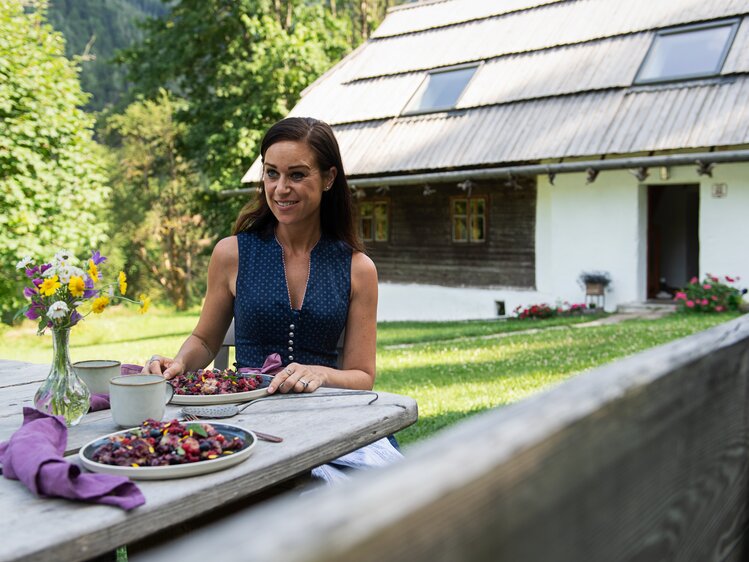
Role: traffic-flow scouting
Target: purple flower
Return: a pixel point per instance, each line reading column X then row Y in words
column 31, row 271
column 37, row 282
column 29, row 292
column 90, row 291
column 45, row 267
column 97, row 258
column 75, row 317
column 34, row 311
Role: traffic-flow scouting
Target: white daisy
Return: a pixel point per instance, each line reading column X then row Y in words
column 57, row 310
column 63, row 258
column 25, row 262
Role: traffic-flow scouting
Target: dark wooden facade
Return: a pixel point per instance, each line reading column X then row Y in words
column 420, row 248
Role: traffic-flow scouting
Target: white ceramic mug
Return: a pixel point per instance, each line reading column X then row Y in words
column 97, row 373
column 136, row 398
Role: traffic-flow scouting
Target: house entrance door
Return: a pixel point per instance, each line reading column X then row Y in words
column 673, row 238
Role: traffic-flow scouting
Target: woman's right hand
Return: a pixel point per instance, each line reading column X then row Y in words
column 165, row 366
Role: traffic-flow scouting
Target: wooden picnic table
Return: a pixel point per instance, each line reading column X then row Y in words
column 315, row 431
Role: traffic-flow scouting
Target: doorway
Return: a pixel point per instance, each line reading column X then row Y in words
column 673, row 238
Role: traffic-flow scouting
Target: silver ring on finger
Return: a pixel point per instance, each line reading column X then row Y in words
column 304, row 383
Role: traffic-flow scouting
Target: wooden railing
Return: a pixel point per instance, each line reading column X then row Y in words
column 642, row 459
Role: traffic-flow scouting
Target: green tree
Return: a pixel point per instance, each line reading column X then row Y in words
column 364, row 15
column 52, row 183
column 156, row 199
column 241, row 66
column 94, row 30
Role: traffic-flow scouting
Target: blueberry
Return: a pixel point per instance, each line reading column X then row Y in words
column 204, row 446
column 155, row 433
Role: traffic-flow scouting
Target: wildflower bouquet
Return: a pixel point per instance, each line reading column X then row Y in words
column 710, row 295
column 62, row 293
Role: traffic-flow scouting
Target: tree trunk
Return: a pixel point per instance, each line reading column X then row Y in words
column 364, row 8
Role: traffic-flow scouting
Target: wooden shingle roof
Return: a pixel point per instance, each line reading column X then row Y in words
column 555, row 80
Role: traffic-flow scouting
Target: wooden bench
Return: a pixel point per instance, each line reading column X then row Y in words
column 642, row 459
column 221, row 361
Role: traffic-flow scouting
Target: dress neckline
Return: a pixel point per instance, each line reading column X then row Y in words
column 286, row 277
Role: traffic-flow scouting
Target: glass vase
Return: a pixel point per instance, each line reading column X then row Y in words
column 63, row 393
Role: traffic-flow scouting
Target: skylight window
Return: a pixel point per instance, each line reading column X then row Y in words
column 694, row 51
column 441, row 90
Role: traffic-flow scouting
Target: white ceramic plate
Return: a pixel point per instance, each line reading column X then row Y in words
column 208, row 399
column 176, row 470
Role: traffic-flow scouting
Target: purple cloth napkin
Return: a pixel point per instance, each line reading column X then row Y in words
column 33, row 455
column 98, row 402
column 271, row 366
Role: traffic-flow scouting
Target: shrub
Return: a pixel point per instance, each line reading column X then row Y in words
column 543, row 310
column 710, row 295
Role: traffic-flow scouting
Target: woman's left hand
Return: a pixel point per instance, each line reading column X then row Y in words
column 296, row 378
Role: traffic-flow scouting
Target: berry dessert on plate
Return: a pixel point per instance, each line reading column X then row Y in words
column 214, row 386
column 170, row 449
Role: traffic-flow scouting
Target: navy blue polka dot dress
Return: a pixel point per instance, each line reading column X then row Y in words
column 264, row 321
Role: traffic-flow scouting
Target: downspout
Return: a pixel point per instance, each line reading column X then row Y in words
column 702, row 160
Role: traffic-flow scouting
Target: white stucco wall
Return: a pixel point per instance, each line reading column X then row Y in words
column 724, row 224
column 406, row 301
column 603, row 226
column 589, row 227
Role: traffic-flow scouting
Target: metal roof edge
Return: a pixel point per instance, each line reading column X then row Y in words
column 703, row 160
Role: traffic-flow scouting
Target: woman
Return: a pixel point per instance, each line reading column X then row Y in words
column 293, row 275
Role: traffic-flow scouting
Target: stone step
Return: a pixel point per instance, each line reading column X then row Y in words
column 647, row 306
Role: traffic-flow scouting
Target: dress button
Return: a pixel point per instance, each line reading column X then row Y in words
column 291, row 348
column 291, row 326
column 291, row 342
column 291, row 334
column 291, row 357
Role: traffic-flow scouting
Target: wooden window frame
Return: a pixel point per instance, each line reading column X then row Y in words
column 381, row 201
column 469, row 239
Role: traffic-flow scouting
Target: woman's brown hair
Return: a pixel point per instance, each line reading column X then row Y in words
column 336, row 207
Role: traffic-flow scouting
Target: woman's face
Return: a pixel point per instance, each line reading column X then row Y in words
column 293, row 183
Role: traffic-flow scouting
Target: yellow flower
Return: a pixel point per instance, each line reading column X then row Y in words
column 93, row 271
column 76, row 286
column 145, row 302
column 99, row 305
column 122, row 279
column 49, row 286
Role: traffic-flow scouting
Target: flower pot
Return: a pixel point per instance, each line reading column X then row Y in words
column 594, row 289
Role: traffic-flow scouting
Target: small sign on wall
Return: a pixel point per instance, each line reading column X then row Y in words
column 719, row 190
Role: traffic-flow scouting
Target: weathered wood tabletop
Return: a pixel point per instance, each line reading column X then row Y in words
column 314, row 432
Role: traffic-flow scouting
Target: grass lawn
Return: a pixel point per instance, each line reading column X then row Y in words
column 453, row 369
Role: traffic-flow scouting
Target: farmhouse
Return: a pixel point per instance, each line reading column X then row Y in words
column 513, row 145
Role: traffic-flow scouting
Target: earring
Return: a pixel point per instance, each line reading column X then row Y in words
column 327, row 187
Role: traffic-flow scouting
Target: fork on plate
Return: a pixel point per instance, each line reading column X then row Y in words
column 260, row 435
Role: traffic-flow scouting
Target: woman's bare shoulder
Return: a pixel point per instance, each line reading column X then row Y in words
column 363, row 269
column 226, row 249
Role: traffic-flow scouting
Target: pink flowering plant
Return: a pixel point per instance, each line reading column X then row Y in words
column 61, row 292
column 713, row 294
column 543, row 310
